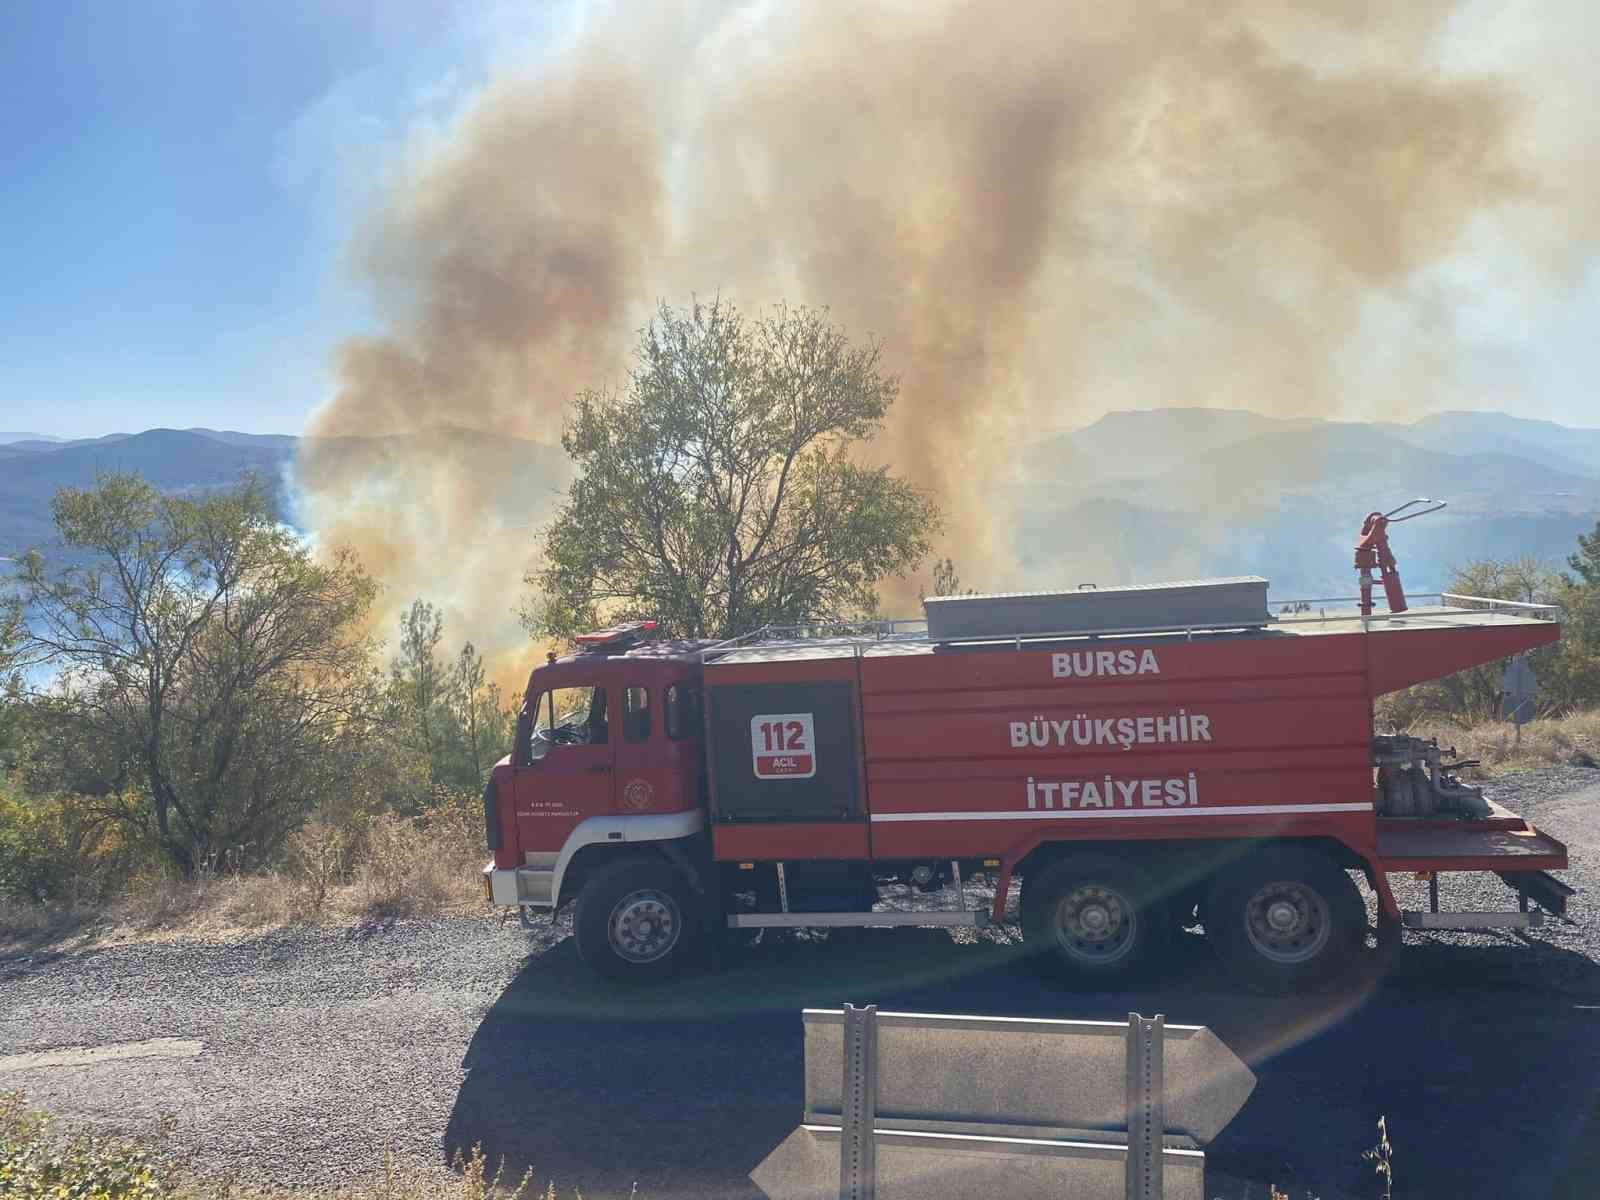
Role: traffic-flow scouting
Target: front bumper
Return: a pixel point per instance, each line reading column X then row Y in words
column 528, row 887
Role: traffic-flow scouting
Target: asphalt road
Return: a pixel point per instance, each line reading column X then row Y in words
column 299, row 1056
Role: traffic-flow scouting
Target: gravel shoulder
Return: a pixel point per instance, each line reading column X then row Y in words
column 320, row 1049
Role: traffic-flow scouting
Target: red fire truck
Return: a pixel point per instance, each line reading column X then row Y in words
column 1137, row 758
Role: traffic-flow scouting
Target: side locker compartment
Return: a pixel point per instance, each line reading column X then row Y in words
column 783, row 749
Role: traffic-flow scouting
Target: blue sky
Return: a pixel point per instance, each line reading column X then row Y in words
column 182, row 179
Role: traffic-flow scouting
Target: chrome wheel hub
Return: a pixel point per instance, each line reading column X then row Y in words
column 1095, row 924
column 644, row 926
column 1287, row 922
column 1282, row 917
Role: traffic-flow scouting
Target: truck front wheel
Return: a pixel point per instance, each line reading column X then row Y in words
column 636, row 919
column 1285, row 919
column 1093, row 917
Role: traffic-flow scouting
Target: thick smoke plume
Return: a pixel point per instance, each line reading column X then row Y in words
column 1044, row 211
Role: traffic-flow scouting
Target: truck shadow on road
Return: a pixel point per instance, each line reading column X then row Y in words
column 1483, row 1058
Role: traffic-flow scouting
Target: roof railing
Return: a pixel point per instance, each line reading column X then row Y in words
column 1549, row 611
column 863, row 635
column 1341, row 606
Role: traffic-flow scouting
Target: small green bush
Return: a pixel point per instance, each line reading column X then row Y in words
column 57, row 848
column 35, row 863
column 35, row 1166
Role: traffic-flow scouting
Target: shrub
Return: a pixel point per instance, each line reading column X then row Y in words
column 427, row 864
column 55, row 848
column 394, row 851
column 30, row 866
column 319, row 859
column 34, row 1166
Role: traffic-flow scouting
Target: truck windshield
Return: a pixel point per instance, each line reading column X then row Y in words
column 573, row 716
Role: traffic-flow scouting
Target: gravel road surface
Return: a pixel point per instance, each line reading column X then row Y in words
column 299, row 1056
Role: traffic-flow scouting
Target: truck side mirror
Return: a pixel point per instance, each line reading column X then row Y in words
column 522, row 741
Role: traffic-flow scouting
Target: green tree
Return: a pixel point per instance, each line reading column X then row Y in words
column 1575, row 671
column 10, row 680
column 1568, row 672
column 1586, row 560
column 206, row 647
column 10, row 632
column 417, row 676
column 1474, row 694
column 479, row 723
column 721, row 490
column 447, row 720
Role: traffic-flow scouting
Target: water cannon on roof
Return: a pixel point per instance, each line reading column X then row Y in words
column 616, row 640
column 1373, row 553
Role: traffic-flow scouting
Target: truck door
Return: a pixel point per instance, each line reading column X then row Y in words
column 658, row 751
column 567, row 777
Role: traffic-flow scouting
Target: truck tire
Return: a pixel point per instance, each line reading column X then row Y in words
column 636, row 919
column 1093, row 918
column 1286, row 919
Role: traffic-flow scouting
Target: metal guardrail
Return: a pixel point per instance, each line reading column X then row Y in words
column 934, row 1106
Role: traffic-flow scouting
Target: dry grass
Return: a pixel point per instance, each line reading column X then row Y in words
column 395, row 867
column 472, row 1180
column 28, row 924
column 412, row 869
column 37, row 1162
column 1552, row 741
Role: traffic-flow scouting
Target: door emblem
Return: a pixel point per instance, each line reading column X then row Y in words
column 638, row 795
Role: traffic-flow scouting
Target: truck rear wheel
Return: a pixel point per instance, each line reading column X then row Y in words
column 1092, row 917
column 1285, row 919
column 636, row 919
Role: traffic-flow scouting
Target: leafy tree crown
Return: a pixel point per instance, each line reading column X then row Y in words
column 724, row 488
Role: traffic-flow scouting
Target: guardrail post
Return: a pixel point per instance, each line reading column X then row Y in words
column 858, row 1165
column 1146, row 1106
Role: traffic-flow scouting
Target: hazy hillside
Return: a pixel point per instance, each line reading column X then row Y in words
column 1361, row 463
column 197, row 460
column 1559, row 446
column 50, row 444
column 1129, row 444
column 1134, row 496
column 173, row 460
column 277, row 441
column 1140, row 496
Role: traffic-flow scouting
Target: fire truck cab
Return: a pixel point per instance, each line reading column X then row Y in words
column 606, row 754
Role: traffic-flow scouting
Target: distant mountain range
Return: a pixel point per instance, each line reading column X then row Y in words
column 12, row 444
column 200, row 460
column 1191, row 492
column 1136, row 496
